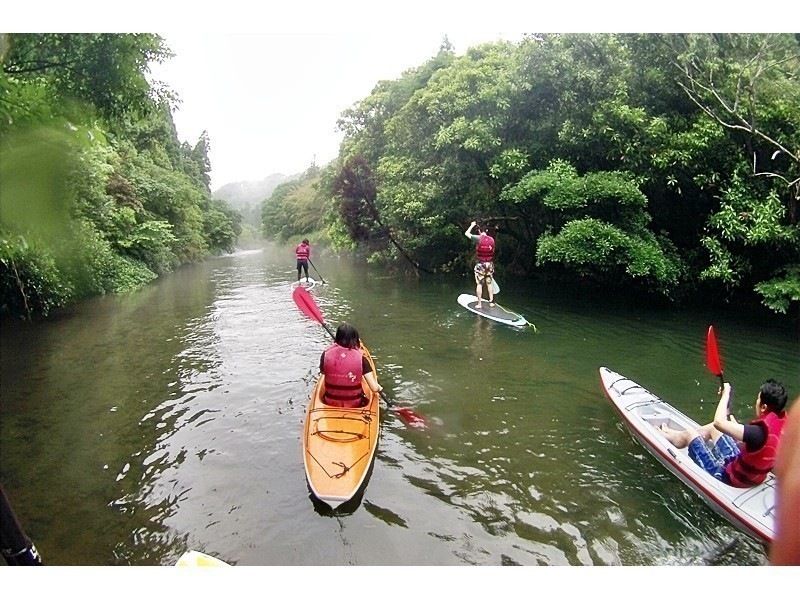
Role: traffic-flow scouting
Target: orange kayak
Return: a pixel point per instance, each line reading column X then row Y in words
column 339, row 444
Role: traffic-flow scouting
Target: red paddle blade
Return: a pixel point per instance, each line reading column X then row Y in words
column 713, row 361
column 307, row 305
column 410, row 418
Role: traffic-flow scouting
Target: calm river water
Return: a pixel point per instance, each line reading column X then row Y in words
column 136, row 427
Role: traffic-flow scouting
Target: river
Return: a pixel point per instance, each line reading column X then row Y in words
column 136, row 427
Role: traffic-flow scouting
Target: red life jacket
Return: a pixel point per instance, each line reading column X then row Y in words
column 303, row 252
column 485, row 248
column 750, row 468
column 343, row 371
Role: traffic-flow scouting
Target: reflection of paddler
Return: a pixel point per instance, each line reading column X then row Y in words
column 481, row 338
column 484, row 267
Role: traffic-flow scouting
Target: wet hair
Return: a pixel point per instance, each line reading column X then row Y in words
column 773, row 395
column 347, row 336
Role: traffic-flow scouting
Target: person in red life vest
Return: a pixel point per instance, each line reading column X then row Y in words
column 484, row 267
column 303, row 253
column 740, row 455
column 344, row 365
column 785, row 547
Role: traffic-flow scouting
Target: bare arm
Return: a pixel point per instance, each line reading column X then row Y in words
column 372, row 382
column 468, row 232
column 721, row 422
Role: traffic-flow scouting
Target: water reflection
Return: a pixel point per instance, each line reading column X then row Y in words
column 181, row 409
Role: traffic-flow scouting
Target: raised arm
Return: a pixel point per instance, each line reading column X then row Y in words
column 721, row 422
column 468, row 232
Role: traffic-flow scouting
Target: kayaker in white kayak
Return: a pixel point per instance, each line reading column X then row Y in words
column 344, row 364
column 484, row 268
column 739, row 455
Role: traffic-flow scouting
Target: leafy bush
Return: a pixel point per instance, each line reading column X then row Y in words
column 602, row 251
column 30, row 282
column 781, row 292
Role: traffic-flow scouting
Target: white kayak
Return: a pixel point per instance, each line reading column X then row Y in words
column 493, row 312
column 308, row 283
column 749, row 509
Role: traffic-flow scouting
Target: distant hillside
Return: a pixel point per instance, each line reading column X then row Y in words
column 240, row 195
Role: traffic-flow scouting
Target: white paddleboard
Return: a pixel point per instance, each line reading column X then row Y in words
column 309, row 284
column 494, row 312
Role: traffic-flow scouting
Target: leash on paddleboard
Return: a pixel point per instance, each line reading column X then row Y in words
column 511, row 313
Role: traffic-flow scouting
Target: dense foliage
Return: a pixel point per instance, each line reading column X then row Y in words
column 665, row 163
column 98, row 194
column 669, row 164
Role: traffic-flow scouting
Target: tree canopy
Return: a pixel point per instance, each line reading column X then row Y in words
column 98, row 193
column 667, row 163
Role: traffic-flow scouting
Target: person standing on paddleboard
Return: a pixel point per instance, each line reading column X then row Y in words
column 484, row 268
column 344, row 364
column 303, row 253
column 740, row 455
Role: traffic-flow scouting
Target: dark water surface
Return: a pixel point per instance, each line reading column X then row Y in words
column 134, row 428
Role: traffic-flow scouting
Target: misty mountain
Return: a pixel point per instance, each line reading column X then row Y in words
column 244, row 193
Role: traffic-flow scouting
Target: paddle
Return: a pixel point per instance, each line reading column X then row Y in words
column 308, row 306
column 317, row 271
column 16, row 547
column 714, row 362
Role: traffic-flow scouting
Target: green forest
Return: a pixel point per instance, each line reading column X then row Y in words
column 98, row 195
column 668, row 164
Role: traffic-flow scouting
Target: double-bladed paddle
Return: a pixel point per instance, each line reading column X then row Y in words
column 308, row 306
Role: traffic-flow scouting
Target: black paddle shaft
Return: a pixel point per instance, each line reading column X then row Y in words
column 16, row 547
column 317, row 271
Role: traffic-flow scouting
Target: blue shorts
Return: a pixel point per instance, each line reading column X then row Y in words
column 714, row 459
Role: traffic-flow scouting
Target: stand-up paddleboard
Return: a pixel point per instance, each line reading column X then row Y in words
column 308, row 284
column 494, row 312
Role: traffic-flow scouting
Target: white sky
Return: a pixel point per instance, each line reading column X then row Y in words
column 268, row 82
column 270, row 102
